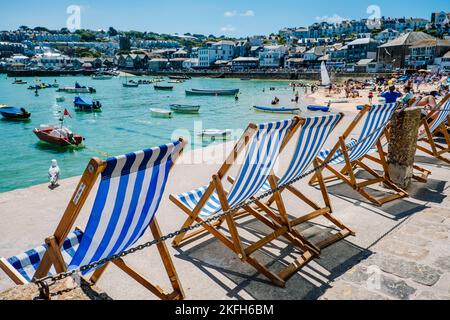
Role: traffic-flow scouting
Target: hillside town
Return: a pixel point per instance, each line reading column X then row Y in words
column 364, row 46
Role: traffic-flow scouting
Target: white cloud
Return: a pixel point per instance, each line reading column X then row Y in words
column 248, row 13
column 228, row 28
column 331, row 19
column 230, row 14
column 234, row 13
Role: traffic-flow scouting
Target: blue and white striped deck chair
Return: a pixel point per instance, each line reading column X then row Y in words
column 441, row 116
column 260, row 145
column 352, row 153
column 310, row 139
column 128, row 197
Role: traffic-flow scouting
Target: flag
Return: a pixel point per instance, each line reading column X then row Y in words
column 66, row 113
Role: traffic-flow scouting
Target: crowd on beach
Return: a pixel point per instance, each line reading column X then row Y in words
column 425, row 89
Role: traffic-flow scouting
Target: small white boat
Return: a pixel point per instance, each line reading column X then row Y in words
column 102, row 77
column 180, row 108
column 161, row 113
column 130, row 85
column 215, row 134
column 273, row 109
column 60, row 99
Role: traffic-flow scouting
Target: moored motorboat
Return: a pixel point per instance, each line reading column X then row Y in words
column 20, row 82
column 12, row 113
column 77, row 89
column 62, row 137
column 167, row 88
column 87, row 104
column 184, row 77
column 213, row 92
column 271, row 109
column 215, row 134
column 184, row 108
column 161, row 113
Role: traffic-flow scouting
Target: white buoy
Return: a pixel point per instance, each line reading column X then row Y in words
column 54, row 174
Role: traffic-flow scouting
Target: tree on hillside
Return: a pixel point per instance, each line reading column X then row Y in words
column 41, row 29
column 112, row 32
column 86, row 35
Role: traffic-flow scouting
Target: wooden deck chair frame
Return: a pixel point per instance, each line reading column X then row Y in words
column 423, row 174
column 234, row 243
column 53, row 256
column 288, row 225
column 348, row 173
column 435, row 149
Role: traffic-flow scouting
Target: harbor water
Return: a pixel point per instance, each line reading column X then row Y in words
column 125, row 125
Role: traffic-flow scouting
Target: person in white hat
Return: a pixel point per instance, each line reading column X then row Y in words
column 54, row 174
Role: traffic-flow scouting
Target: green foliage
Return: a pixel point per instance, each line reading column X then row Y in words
column 86, row 53
column 112, row 32
column 41, row 29
column 86, row 35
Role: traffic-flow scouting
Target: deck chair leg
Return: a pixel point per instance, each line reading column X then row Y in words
column 323, row 187
column 95, row 278
column 12, row 273
column 193, row 215
column 280, row 204
column 156, row 290
column 55, row 255
column 229, row 219
column 167, row 261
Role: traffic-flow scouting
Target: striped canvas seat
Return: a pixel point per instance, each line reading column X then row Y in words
column 436, row 122
column 377, row 119
column 128, row 197
column 261, row 156
column 311, row 138
column 27, row 263
column 442, row 117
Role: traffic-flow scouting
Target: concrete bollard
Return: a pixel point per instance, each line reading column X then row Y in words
column 402, row 146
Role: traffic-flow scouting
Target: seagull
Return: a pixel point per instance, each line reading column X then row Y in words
column 54, row 173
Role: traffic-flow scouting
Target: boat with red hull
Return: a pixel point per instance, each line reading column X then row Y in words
column 62, row 137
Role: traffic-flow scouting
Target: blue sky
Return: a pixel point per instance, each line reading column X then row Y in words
column 229, row 17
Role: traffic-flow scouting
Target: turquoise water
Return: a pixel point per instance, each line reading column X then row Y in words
column 124, row 126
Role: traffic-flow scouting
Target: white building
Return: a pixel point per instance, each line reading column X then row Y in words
column 190, row 63
column 387, row 35
column 272, row 56
column 50, row 59
column 212, row 52
column 443, row 63
column 206, row 56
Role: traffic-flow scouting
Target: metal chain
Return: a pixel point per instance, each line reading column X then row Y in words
column 44, row 286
